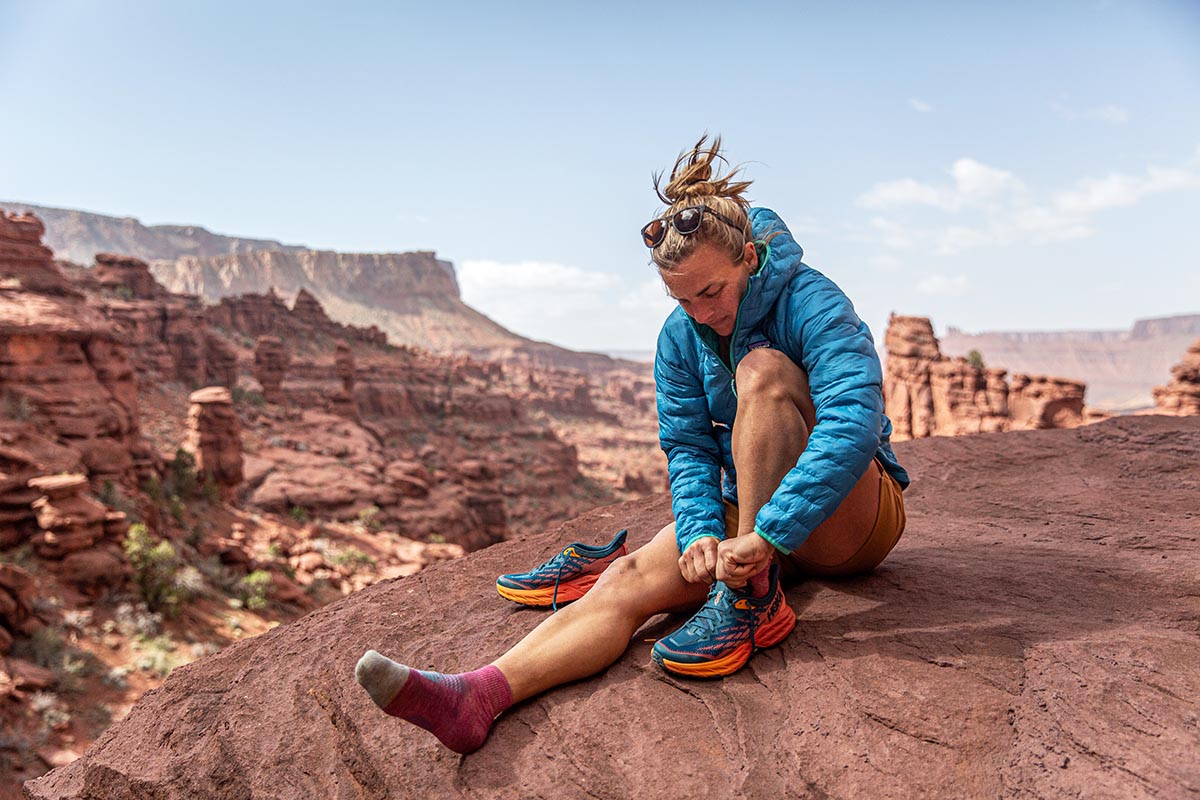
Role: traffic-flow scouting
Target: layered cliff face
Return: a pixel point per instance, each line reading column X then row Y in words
column 1181, row 397
column 62, row 367
column 928, row 394
column 412, row 298
column 77, row 236
column 1119, row 367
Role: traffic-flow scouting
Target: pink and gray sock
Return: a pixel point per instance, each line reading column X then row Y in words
column 457, row 709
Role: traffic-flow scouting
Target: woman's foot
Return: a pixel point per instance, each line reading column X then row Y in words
column 457, row 709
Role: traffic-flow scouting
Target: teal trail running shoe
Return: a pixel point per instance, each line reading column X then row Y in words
column 726, row 630
column 566, row 577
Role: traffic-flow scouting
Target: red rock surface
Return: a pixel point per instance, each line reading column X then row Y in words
column 1033, row 635
column 127, row 275
column 25, row 263
column 69, row 520
column 214, row 437
column 258, row 314
column 1182, row 395
column 928, row 394
column 64, row 370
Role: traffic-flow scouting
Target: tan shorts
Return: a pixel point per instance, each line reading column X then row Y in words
column 889, row 525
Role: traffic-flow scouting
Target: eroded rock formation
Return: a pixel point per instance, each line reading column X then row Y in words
column 343, row 402
column 17, row 592
column 271, row 359
column 1181, row 397
column 127, row 275
column 69, row 519
column 61, row 363
column 214, row 438
column 928, row 394
column 26, row 263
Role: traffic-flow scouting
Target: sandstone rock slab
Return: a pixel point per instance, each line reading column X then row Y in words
column 1033, row 635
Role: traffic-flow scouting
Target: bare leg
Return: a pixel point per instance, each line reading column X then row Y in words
column 774, row 418
column 591, row 633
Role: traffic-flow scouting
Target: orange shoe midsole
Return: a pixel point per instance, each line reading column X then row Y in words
column 567, row 591
column 768, row 635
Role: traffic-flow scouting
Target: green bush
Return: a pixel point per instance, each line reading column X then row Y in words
column 255, row 589
column 975, row 359
column 369, row 518
column 159, row 574
column 182, row 479
column 299, row 514
column 248, row 398
column 353, row 558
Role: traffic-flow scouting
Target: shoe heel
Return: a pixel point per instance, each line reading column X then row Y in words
column 777, row 629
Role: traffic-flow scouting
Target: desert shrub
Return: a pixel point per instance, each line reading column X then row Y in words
column 975, row 359
column 210, row 492
column 44, row 647
column 182, row 478
column 154, row 489
column 255, row 589
column 369, row 518
column 177, row 508
column 248, row 398
column 156, row 655
column 351, row 557
column 134, row 620
column 299, row 513
column 160, row 576
column 123, row 292
column 16, row 406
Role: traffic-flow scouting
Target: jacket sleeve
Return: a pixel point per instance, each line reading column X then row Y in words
column 685, row 432
column 846, row 382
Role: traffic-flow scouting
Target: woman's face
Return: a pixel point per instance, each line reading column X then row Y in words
column 709, row 285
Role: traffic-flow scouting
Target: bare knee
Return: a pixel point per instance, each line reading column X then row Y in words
column 770, row 375
column 621, row 578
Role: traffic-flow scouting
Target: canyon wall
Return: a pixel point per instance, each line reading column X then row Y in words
column 413, row 298
column 77, row 236
column 1120, row 367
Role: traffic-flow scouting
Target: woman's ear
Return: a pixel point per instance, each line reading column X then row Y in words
column 750, row 257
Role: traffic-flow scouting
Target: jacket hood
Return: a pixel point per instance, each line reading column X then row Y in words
column 779, row 261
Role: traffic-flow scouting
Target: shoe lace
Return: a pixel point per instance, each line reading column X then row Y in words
column 562, row 562
column 711, row 614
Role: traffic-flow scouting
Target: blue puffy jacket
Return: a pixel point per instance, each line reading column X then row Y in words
column 805, row 315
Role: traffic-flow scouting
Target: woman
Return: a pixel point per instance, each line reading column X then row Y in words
column 764, row 376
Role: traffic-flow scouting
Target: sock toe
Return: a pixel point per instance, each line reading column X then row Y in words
column 381, row 677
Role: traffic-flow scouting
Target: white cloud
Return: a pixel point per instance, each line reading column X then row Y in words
column 974, row 181
column 1123, row 190
column 974, row 184
column 995, row 208
column 904, row 192
column 943, row 284
column 919, row 105
column 1109, row 112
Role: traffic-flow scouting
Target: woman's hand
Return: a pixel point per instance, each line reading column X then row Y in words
column 741, row 558
column 698, row 564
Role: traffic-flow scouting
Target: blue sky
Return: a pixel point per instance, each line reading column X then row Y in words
column 1007, row 166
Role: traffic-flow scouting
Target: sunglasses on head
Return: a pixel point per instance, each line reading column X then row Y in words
column 686, row 221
